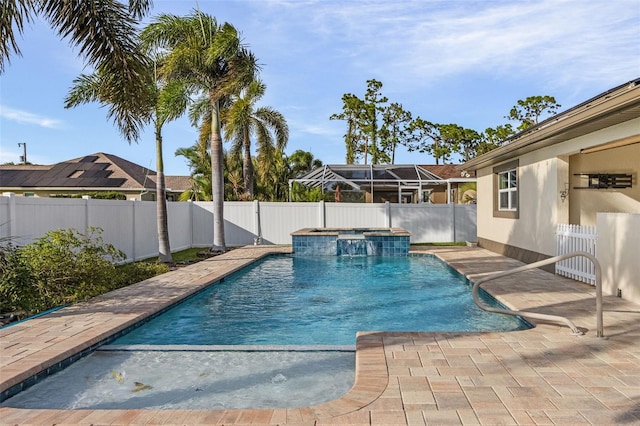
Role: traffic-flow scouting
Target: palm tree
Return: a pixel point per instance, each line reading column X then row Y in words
column 199, row 162
column 211, row 57
column 234, row 189
column 242, row 120
column 272, row 174
column 166, row 102
column 104, row 32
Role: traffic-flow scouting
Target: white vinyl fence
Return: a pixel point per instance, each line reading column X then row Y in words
column 572, row 238
column 131, row 225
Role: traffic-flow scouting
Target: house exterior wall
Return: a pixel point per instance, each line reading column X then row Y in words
column 585, row 203
column 538, row 189
column 617, row 252
column 542, row 175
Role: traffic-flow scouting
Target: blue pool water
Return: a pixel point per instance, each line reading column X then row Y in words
column 323, row 300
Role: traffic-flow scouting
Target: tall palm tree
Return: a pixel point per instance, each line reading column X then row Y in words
column 104, row 31
column 211, row 57
column 242, row 120
column 166, row 101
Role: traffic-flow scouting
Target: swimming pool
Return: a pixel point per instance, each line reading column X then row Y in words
column 197, row 374
column 323, row 300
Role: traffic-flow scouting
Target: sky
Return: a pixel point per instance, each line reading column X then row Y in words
column 447, row 61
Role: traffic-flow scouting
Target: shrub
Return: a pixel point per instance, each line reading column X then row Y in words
column 17, row 292
column 62, row 267
column 131, row 273
column 67, row 266
column 107, row 195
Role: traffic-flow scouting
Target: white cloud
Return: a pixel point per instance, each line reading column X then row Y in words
column 563, row 41
column 25, row 117
column 558, row 40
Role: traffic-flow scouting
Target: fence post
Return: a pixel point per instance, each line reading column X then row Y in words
column 387, row 210
column 12, row 213
column 86, row 199
column 452, row 207
column 133, row 229
column 190, row 223
column 256, row 223
column 322, row 215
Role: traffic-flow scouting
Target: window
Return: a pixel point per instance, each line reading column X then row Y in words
column 508, row 190
column 505, row 190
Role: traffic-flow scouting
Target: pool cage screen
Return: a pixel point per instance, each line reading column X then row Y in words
column 375, row 183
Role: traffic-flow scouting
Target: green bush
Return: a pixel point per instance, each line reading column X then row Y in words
column 62, row 267
column 17, row 292
column 131, row 273
column 106, row 195
column 67, row 266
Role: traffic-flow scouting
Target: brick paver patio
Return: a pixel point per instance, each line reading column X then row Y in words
column 544, row 375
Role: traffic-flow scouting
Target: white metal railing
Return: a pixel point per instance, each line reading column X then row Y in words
column 547, row 317
column 571, row 239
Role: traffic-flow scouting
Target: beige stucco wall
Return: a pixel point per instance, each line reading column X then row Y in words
column 617, row 252
column 542, row 175
column 585, row 203
column 538, row 212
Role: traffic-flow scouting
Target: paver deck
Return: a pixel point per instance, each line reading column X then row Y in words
column 544, row 375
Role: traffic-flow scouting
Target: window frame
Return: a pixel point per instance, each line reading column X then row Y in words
column 514, row 191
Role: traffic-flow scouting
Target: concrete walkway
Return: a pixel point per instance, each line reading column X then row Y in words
column 544, row 375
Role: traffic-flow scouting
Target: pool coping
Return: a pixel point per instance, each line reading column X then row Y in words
column 386, row 370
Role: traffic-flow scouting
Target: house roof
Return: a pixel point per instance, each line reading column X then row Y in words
column 444, row 171
column 94, row 171
column 615, row 106
column 177, row 183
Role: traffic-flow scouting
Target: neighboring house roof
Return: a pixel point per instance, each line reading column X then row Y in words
column 607, row 109
column 177, row 183
column 446, row 171
column 99, row 170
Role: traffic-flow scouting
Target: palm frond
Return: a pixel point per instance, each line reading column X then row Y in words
column 13, row 14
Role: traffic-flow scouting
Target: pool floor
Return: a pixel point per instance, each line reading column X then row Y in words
column 195, row 379
column 542, row 375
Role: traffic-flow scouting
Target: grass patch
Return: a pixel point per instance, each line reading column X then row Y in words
column 180, row 256
column 188, row 255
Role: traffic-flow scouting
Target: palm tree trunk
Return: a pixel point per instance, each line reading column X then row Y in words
column 164, row 248
column 247, row 165
column 217, row 177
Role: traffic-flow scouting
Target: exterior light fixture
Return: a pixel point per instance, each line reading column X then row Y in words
column 564, row 193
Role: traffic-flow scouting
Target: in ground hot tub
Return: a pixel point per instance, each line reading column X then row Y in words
column 351, row 242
